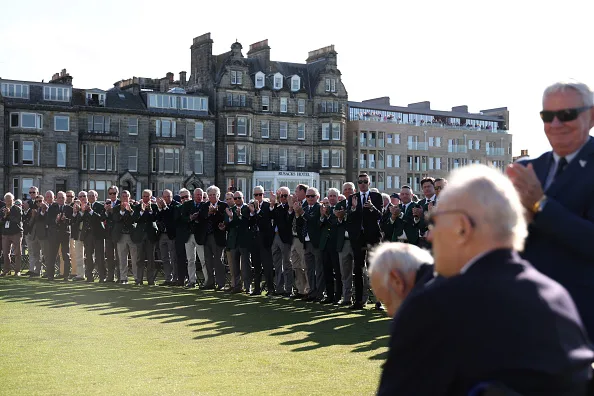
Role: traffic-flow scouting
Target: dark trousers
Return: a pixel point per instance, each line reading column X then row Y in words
column 146, row 250
column 111, row 256
column 360, row 250
column 213, row 261
column 240, row 264
column 58, row 242
column 315, row 270
column 97, row 247
column 182, row 261
column 262, row 258
column 332, row 273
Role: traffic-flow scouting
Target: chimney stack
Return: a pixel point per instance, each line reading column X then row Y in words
column 61, row 78
column 182, row 77
column 261, row 51
column 170, row 76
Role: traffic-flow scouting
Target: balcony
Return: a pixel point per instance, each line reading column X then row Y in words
column 272, row 166
column 103, row 135
column 458, row 149
column 328, row 110
column 495, row 152
column 94, row 102
column 238, row 104
column 427, row 124
column 418, row 146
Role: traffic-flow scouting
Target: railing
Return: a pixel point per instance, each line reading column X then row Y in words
column 495, row 151
column 428, row 124
column 329, row 110
column 419, row 146
column 458, row 149
column 96, row 102
column 247, row 103
column 104, row 131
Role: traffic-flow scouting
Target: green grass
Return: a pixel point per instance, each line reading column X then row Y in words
column 65, row 338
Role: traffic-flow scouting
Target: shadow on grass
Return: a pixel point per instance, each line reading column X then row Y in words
column 214, row 313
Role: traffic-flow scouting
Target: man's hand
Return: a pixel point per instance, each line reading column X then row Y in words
column 212, row 209
column 339, row 214
column 395, row 210
column 194, row 216
column 417, row 212
column 256, row 205
column 368, row 204
column 526, row 183
column 272, row 199
column 354, row 201
column 297, row 208
column 252, row 207
column 222, row 226
column 229, row 212
column 290, row 200
column 160, row 203
column 324, row 210
column 431, row 206
column 25, row 206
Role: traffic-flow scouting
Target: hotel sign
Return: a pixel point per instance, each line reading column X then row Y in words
column 300, row 174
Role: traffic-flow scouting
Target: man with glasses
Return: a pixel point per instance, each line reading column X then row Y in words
column 145, row 235
column 166, row 225
column 32, row 238
column 297, row 250
column 182, row 234
column 556, row 190
column 440, row 184
column 212, row 215
column 58, row 219
column 74, row 263
column 94, row 240
column 123, row 225
column 239, row 242
column 111, row 251
column 345, row 226
column 261, row 227
column 196, row 234
column 281, row 245
column 80, row 229
column 491, row 315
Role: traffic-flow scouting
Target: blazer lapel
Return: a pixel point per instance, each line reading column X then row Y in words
column 581, row 163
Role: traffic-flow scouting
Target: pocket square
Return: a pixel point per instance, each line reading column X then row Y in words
column 583, row 163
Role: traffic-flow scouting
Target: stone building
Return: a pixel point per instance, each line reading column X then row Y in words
column 402, row 145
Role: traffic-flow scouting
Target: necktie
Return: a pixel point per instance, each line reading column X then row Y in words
column 561, row 165
column 364, row 199
column 306, row 215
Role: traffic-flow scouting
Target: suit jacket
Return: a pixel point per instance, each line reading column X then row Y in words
column 196, row 227
column 28, row 222
column 166, row 220
column 239, row 235
column 560, row 238
column 213, row 222
column 351, row 224
column 283, row 220
column 146, row 223
column 121, row 222
column 14, row 221
column 109, row 223
column 328, row 231
column 182, row 226
column 365, row 222
column 311, row 220
column 263, row 221
column 501, row 320
column 63, row 227
column 386, row 226
column 406, row 223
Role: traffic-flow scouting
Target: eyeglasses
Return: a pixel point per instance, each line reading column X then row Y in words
column 80, row 196
column 284, row 195
column 363, row 181
column 438, row 188
column 258, row 194
column 70, row 196
column 236, row 198
column 564, row 115
column 112, row 193
column 185, row 197
column 39, row 200
column 310, row 196
column 32, row 192
column 430, row 217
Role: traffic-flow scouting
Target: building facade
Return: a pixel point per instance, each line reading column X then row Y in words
column 400, row 146
column 57, row 137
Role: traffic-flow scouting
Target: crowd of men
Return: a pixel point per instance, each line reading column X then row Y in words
column 292, row 244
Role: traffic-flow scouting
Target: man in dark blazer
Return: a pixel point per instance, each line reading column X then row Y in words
column 328, row 251
column 347, row 224
column 94, row 241
column 58, row 218
column 182, row 234
column 283, row 239
column 239, row 241
column 261, row 227
column 494, row 318
column 194, row 235
column 557, row 190
column 123, row 227
column 145, row 235
column 11, row 220
column 212, row 214
column 407, row 220
column 166, row 225
column 111, row 250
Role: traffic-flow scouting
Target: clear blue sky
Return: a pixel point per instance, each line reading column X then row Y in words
column 448, row 52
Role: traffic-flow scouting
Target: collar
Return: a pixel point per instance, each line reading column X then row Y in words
column 474, row 260
column 431, row 199
column 569, row 157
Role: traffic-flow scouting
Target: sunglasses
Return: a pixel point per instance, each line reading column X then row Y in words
column 112, row 193
column 236, row 198
column 284, row 195
column 438, row 187
column 39, row 200
column 185, row 197
column 564, row 115
column 258, row 194
column 310, row 196
column 363, row 181
column 430, row 217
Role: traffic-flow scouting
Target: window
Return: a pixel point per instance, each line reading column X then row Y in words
column 154, row 159
column 438, row 163
column 28, row 153
column 389, row 161
column 388, row 181
column 241, row 126
column 431, row 163
column 84, row 152
column 132, row 159
column 330, row 85
column 301, row 130
column 162, row 101
column 241, row 154
column 230, row 126
column 230, row 154
column 283, row 105
column 189, row 103
column 397, row 138
column 282, row 157
column 61, row 155
column 236, row 100
column 26, row 120
column 470, row 144
column 301, row 106
column 265, row 129
column 15, row 153
column 11, row 90
column 300, row 158
column 396, row 181
column 15, row 187
column 98, row 124
column 278, row 81
column 166, row 128
column 100, row 157
column 259, row 80
column 199, row 130
column 58, row 94
column 168, row 160
column 26, row 184
column 437, row 142
column 396, row 161
column 389, row 138
column 241, row 184
column 477, row 145
column 380, row 160
column 335, row 131
column 325, row 131
column 265, row 103
column 198, row 162
column 265, row 156
column 325, row 158
column 372, row 161
column 132, row 126
column 236, row 77
column 284, row 127
column 295, row 83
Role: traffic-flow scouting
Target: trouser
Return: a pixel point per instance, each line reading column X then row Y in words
column 146, row 251
column 14, row 240
column 95, row 246
column 74, row 263
column 168, row 257
column 58, row 241
column 125, row 246
column 240, row 262
column 181, row 260
column 298, row 264
column 213, row 262
column 281, row 257
column 77, row 255
column 360, row 275
column 111, row 258
column 34, row 248
column 332, row 273
column 315, row 270
column 192, row 248
column 45, row 251
column 345, row 257
column 262, row 258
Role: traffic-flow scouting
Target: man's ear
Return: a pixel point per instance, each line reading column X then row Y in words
column 397, row 283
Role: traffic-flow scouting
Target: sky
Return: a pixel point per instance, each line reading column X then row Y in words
column 451, row 53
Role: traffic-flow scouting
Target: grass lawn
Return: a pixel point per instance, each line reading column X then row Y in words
column 66, row 338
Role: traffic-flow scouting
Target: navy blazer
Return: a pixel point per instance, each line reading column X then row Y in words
column 501, row 320
column 560, row 238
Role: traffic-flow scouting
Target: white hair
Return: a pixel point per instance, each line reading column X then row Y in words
column 259, row 188
column 285, row 190
column 403, row 257
column 563, row 86
column 214, row 189
column 315, row 190
column 183, row 190
column 8, row 195
column 333, row 190
column 349, row 184
column 238, row 192
column 374, row 190
column 386, row 196
column 498, row 206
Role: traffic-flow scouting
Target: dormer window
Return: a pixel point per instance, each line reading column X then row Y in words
column 58, row 94
column 259, row 80
column 236, row 77
column 12, row 90
column 278, row 81
column 95, row 99
column 295, row 83
column 330, row 85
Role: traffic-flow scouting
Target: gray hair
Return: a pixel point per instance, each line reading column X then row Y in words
column 333, row 190
column 501, row 210
column 259, row 188
column 374, row 190
column 315, row 190
column 386, row 196
column 399, row 256
column 115, row 188
column 351, row 184
column 563, row 86
column 92, row 192
column 285, row 190
column 84, row 192
column 239, row 193
column 9, row 195
column 183, row 190
column 214, row 189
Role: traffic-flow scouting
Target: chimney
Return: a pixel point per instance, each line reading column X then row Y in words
column 460, row 109
column 61, row 78
column 420, row 105
column 261, row 51
column 182, row 77
column 385, row 100
column 169, row 76
column 327, row 53
column 524, row 153
column 202, row 64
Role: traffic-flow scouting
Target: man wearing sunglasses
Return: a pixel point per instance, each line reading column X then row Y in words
column 111, row 249
column 281, row 246
column 557, row 189
column 490, row 315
